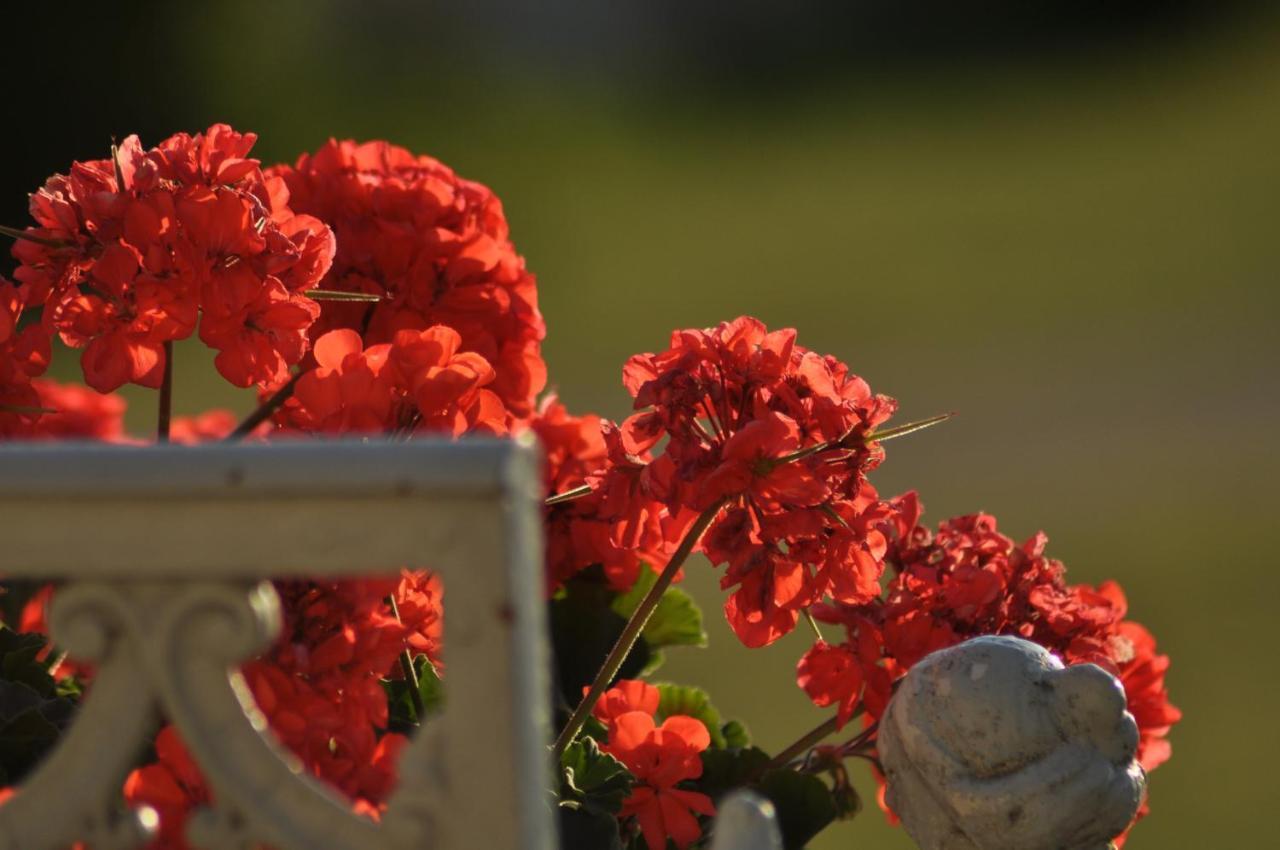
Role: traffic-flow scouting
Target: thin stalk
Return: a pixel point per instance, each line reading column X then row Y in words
column 859, row 741
column 264, row 411
column 15, row 233
column 805, row 742
column 165, row 409
column 406, row 667
column 568, row 495
column 631, row 633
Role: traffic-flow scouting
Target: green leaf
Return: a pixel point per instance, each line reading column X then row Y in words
column 676, row 621
column 588, row 829
column 694, row 702
column 593, row 778
column 18, row 661
column 32, row 713
column 401, row 711
column 430, row 686
column 736, row 735
column 804, row 803
column 725, row 770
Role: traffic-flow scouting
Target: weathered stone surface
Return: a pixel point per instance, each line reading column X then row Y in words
column 994, row 745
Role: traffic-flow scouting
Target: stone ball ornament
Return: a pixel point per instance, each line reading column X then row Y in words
column 994, row 744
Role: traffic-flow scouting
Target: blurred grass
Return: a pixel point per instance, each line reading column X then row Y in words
column 1083, row 263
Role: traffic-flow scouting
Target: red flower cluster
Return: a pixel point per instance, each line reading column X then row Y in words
column 660, row 757
column 780, row 436
column 128, row 252
column 76, row 413
column 966, row 580
column 420, row 380
column 434, row 247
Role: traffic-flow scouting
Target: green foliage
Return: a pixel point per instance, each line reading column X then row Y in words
column 593, row 785
column 725, row 770
column 694, row 702
column 804, row 803
column 593, row 778
column 676, row 621
column 402, row 713
column 736, row 735
column 32, row 712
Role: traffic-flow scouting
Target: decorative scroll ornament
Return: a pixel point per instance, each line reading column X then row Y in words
column 995, row 745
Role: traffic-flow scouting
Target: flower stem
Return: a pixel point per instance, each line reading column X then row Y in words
column 15, row 233
column 631, row 633
column 861, row 741
column 264, row 411
column 406, row 667
column 805, row 741
column 165, row 410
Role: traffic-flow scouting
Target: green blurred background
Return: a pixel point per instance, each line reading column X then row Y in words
column 1059, row 219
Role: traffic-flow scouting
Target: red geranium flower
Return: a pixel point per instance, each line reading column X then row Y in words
column 627, row 695
column 660, row 757
column 434, row 247
column 782, row 438
column 128, row 252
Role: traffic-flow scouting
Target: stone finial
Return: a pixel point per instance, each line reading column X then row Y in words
column 746, row 821
column 995, row 745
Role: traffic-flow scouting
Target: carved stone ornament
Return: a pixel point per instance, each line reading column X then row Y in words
column 995, row 745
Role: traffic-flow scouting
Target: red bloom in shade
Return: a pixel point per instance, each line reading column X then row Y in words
column 831, row 675
column 660, row 757
column 627, row 695
column 420, row 603
column 82, row 414
column 127, row 254
column 619, row 524
column 434, row 247
column 573, row 447
column 210, row 426
column 24, row 354
column 782, row 438
column 172, row 785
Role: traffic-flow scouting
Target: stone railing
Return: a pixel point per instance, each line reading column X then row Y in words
column 162, row 555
